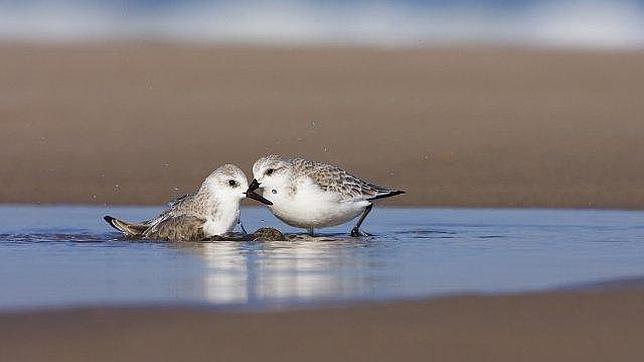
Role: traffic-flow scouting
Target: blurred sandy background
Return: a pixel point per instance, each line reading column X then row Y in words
column 139, row 122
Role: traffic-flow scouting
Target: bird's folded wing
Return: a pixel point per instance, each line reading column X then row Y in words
column 334, row 179
column 176, row 202
column 177, row 228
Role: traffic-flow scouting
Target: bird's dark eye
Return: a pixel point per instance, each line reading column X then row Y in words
column 269, row 171
column 232, row 183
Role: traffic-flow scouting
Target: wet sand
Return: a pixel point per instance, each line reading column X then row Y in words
column 140, row 123
column 607, row 326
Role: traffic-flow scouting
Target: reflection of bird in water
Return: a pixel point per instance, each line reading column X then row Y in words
column 225, row 273
column 296, row 269
column 212, row 210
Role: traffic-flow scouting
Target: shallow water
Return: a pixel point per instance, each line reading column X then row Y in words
column 67, row 256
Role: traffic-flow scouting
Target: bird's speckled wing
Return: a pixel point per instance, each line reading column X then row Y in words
column 177, row 228
column 188, row 204
column 174, row 208
column 182, row 221
column 179, row 200
column 334, row 179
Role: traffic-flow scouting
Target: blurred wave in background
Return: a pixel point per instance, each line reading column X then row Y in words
column 567, row 23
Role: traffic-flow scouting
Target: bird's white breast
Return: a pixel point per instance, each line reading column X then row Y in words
column 223, row 219
column 312, row 207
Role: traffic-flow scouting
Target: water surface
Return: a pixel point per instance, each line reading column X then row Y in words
column 67, row 256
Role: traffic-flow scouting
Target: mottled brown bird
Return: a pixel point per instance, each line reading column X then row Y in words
column 212, row 210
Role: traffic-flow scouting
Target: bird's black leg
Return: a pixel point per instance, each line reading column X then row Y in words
column 243, row 229
column 355, row 232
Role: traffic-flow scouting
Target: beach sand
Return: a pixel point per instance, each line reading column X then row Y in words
column 140, row 123
column 571, row 326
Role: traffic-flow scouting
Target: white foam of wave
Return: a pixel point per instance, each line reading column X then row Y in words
column 570, row 23
column 589, row 24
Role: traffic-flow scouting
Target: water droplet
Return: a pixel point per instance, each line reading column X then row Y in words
column 94, row 197
column 392, row 173
column 176, row 188
column 299, row 139
column 426, row 157
column 166, row 164
column 326, row 149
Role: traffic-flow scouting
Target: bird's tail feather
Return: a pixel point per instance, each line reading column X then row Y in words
column 128, row 229
column 388, row 194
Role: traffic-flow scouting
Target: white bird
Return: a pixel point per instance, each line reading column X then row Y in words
column 310, row 195
column 212, row 210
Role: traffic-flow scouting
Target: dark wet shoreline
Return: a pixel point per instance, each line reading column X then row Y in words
column 578, row 326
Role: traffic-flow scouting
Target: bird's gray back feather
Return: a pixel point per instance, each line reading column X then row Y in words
column 177, row 228
column 334, row 179
column 183, row 220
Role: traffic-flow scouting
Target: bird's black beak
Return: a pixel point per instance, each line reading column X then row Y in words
column 250, row 193
column 253, row 185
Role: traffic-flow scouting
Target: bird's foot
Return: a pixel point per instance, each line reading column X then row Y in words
column 356, row 233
